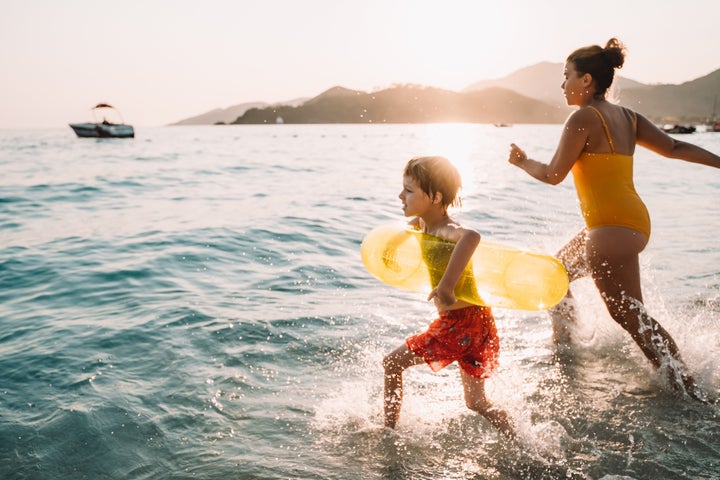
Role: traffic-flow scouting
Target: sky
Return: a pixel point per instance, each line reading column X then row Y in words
column 160, row 61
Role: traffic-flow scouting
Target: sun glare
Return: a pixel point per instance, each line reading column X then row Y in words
column 455, row 142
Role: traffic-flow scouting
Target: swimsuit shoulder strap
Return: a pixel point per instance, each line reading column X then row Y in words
column 605, row 127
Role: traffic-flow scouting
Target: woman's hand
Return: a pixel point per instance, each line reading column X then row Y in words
column 517, row 155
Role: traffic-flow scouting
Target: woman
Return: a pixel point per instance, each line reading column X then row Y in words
column 597, row 146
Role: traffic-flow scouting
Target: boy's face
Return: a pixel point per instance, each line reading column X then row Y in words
column 415, row 202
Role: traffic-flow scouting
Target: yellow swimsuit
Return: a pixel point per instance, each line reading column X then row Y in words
column 436, row 255
column 604, row 184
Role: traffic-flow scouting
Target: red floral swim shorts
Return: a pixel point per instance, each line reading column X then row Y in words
column 466, row 335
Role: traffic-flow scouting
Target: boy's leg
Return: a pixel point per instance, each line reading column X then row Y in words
column 394, row 364
column 476, row 400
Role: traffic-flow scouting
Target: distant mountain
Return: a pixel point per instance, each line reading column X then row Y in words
column 228, row 115
column 529, row 95
column 220, row 115
column 542, row 81
column 410, row 104
column 690, row 102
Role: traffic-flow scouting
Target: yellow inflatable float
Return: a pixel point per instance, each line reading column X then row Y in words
column 497, row 275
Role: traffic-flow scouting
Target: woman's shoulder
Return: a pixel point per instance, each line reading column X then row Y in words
column 583, row 116
column 606, row 111
column 591, row 116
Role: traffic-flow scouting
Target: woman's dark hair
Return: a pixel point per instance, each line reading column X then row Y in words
column 599, row 62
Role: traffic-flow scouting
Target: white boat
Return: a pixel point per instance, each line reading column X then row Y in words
column 104, row 129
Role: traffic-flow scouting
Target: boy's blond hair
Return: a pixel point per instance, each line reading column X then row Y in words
column 435, row 174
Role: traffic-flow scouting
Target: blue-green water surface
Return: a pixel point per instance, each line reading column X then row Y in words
column 192, row 304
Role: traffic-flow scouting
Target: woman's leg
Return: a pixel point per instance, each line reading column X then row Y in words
column 394, row 364
column 563, row 315
column 476, row 400
column 612, row 253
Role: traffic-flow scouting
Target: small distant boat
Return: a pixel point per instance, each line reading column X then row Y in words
column 679, row 129
column 501, row 125
column 104, row 129
column 713, row 124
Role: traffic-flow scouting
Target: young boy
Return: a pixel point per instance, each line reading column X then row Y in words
column 463, row 332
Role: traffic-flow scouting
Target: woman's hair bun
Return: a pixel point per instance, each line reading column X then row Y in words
column 614, row 51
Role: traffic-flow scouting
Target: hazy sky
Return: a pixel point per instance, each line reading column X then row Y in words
column 163, row 60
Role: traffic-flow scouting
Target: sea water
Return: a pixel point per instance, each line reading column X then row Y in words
column 191, row 303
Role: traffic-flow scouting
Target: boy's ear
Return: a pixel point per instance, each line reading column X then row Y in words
column 437, row 198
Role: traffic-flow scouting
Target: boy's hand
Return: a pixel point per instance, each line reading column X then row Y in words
column 443, row 296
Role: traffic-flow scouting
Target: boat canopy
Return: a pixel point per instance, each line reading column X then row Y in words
column 112, row 109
